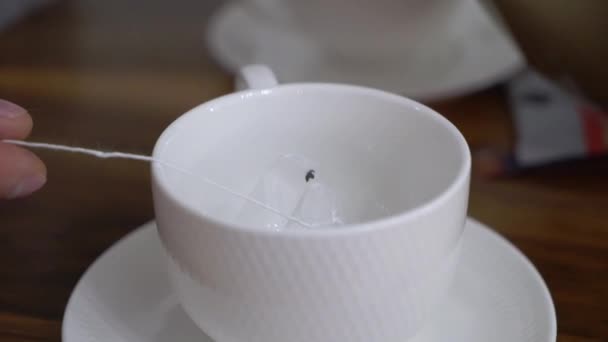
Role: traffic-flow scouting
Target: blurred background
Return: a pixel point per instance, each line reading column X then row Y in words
column 524, row 81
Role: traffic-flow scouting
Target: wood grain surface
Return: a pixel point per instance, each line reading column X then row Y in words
column 114, row 73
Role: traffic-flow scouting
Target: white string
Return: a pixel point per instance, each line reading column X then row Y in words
column 82, row 150
column 132, row 156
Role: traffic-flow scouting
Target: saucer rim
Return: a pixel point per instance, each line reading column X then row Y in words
column 532, row 271
column 471, row 223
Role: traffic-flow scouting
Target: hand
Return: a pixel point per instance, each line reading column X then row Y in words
column 21, row 172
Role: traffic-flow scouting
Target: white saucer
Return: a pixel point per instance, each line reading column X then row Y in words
column 471, row 52
column 125, row 296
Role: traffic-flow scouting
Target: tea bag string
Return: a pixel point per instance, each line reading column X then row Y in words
column 146, row 158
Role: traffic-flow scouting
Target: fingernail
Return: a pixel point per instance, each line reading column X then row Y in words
column 10, row 110
column 27, row 185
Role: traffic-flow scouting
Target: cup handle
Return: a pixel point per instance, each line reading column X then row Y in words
column 255, row 76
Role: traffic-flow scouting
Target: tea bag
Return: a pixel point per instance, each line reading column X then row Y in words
column 294, row 187
column 317, row 206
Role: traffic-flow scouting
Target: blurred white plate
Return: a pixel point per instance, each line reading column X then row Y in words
column 125, row 296
column 457, row 57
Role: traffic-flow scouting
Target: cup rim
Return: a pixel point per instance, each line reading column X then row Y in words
column 374, row 225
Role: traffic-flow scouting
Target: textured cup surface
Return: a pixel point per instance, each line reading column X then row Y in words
column 374, row 279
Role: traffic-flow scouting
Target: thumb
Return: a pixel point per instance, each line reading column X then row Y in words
column 21, row 172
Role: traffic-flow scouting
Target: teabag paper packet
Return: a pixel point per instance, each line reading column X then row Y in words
column 294, row 187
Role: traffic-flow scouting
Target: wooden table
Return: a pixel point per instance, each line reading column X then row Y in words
column 114, row 73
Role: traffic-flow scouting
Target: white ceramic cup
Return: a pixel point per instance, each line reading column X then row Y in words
column 389, row 28
column 376, row 279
